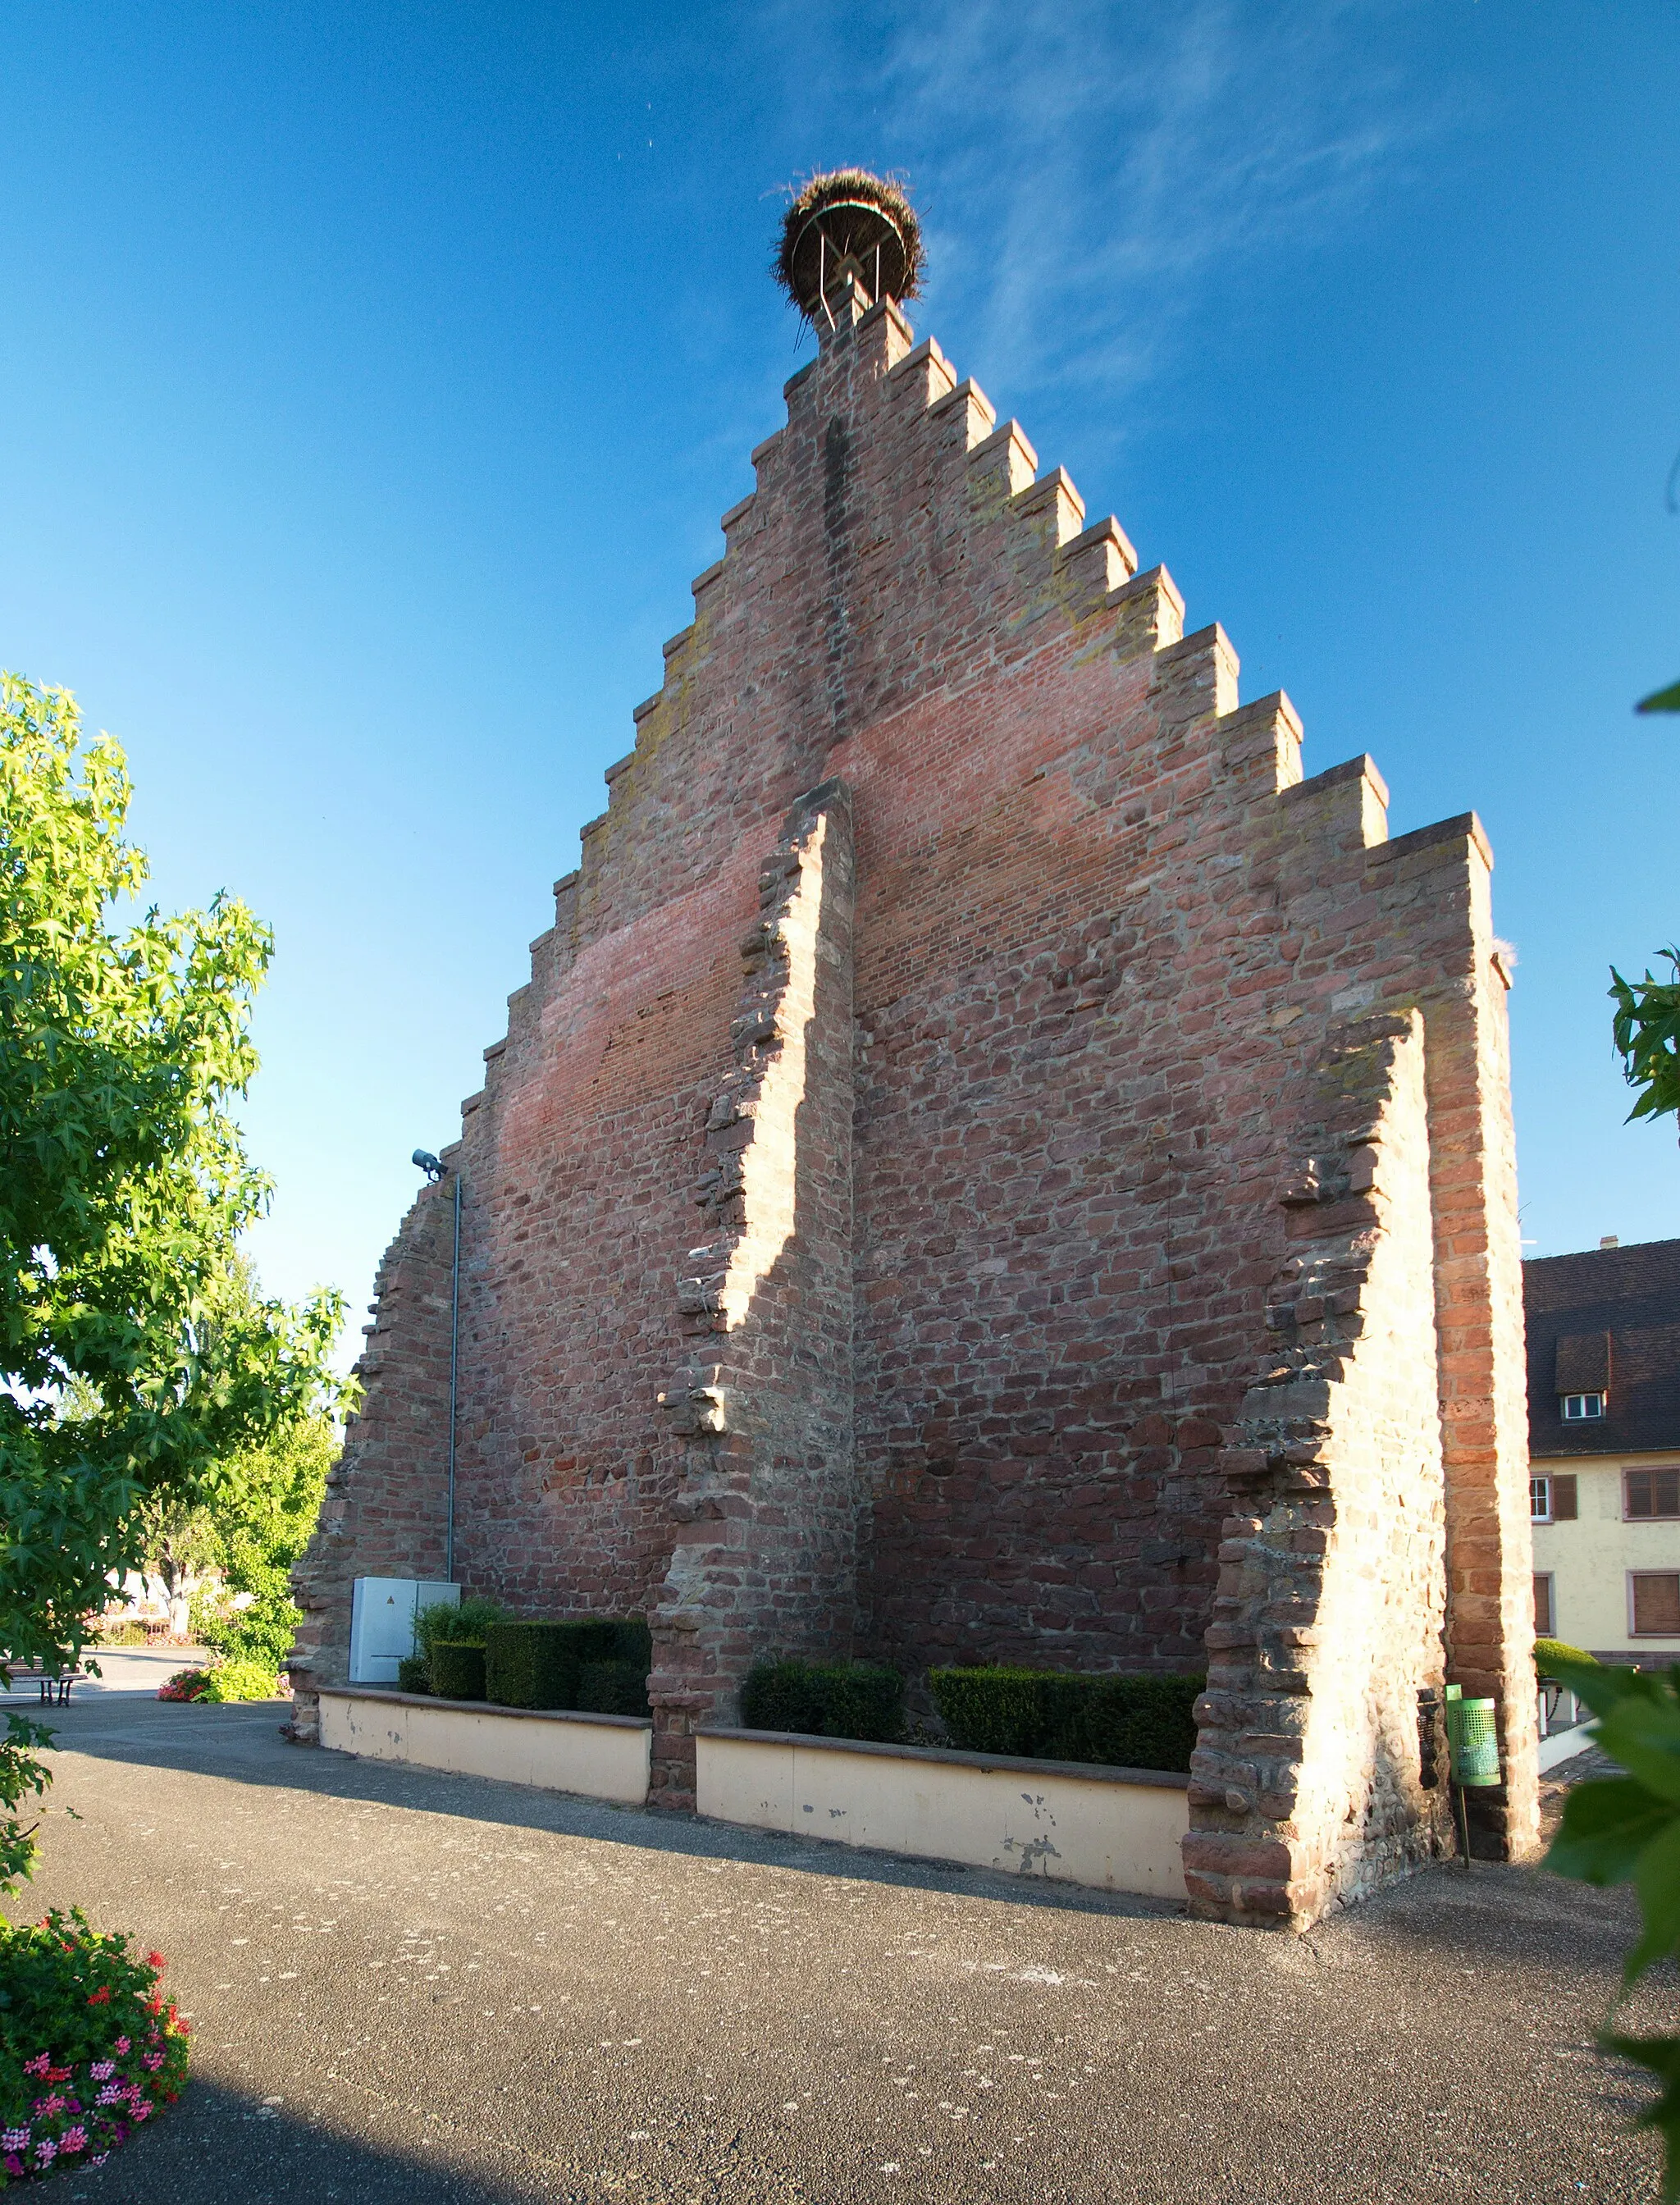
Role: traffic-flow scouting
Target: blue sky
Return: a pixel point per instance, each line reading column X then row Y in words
column 375, row 376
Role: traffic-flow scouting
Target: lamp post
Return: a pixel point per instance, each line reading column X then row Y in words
column 433, row 1168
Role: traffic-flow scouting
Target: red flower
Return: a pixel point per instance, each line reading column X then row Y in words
column 156, row 1960
column 99, row 1998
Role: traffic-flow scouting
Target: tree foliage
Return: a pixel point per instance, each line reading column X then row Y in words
column 1646, row 1033
column 260, row 1521
column 1626, row 1829
column 123, row 1188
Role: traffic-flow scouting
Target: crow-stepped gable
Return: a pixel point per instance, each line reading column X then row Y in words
column 990, row 1164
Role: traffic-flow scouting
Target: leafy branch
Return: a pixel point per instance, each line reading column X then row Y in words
column 1626, row 1829
column 1647, row 1035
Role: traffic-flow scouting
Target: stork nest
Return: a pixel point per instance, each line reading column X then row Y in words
column 851, row 212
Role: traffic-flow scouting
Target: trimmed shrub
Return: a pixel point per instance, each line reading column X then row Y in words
column 530, row 1665
column 458, row 1669
column 89, row 2049
column 1138, row 1722
column 825, row 1699
column 243, row 1680
column 991, row 1710
column 780, row 1695
column 413, row 1673
column 539, row 1665
column 1548, row 1650
column 468, row 1619
column 1123, row 1722
column 861, row 1699
column 632, row 1642
column 612, row 1688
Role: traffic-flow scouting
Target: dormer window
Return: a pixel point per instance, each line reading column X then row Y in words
column 1583, row 1376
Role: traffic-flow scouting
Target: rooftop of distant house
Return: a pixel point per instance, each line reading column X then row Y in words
column 1604, row 1350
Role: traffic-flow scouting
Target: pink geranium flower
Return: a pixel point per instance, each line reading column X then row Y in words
column 74, row 2139
column 38, row 2064
column 142, row 2111
column 101, row 2069
column 46, row 2151
column 112, row 2095
column 121, row 2046
column 13, row 2139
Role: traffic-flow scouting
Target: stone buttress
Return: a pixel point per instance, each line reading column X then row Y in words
column 990, row 1164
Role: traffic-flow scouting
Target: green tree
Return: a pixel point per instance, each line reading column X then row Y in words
column 123, row 1189
column 181, row 1545
column 262, row 1517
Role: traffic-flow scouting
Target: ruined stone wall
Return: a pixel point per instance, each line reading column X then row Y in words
column 1308, row 1785
column 765, row 1553
column 948, row 1242
column 385, row 1513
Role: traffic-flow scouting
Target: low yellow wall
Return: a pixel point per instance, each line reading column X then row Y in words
column 1110, row 1832
column 601, row 1757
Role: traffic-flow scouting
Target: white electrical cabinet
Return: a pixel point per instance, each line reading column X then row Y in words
column 381, row 1623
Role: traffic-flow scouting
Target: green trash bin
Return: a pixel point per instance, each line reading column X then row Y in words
column 1473, row 1738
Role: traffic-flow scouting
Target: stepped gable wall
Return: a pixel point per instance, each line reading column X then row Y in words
column 949, row 891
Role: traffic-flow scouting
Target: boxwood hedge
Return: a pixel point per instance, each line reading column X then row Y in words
column 612, row 1688
column 541, row 1665
column 825, row 1699
column 1124, row 1722
column 458, row 1669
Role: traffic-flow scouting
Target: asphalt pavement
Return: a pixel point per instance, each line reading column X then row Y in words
column 434, row 1989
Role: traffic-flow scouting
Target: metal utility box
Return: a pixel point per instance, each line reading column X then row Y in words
column 381, row 1623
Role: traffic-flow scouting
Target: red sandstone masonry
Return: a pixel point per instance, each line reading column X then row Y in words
column 1102, row 935
column 765, row 1554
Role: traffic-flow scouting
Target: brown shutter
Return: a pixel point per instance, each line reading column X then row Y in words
column 1542, row 1607
column 1564, row 1506
column 1656, row 1604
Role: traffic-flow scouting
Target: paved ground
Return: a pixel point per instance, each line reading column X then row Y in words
column 428, row 1988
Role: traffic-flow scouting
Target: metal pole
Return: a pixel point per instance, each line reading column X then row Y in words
column 454, row 1364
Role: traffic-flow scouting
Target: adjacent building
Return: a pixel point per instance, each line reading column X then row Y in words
column 1604, row 1439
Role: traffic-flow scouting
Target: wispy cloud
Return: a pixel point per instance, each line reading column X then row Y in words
column 1093, row 172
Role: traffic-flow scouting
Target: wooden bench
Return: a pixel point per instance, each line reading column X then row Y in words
column 54, row 1684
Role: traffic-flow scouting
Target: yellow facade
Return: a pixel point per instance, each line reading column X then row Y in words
column 1590, row 1560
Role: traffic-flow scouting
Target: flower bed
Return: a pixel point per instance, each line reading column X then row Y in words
column 186, row 1684
column 89, row 2049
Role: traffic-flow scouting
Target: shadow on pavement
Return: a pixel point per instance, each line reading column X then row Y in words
column 218, row 2146
column 243, row 1744
column 1501, row 1917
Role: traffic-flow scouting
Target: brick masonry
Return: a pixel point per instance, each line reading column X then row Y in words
column 990, row 1164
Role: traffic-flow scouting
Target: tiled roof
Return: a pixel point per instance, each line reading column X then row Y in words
column 1572, row 1302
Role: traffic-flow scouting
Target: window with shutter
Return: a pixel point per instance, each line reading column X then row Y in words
column 1655, row 1598
column 1544, row 1627
column 1650, row 1493
column 1540, row 1500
